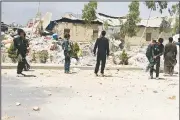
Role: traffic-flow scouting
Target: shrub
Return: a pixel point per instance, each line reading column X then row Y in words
column 43, row 56
column 124, row 58
column 12, row 53
column 34, row 58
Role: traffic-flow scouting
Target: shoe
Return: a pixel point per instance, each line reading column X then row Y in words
column 21, row 75
column 157, row 78
column 151, row 77
column 96, row 74
column 102, row 74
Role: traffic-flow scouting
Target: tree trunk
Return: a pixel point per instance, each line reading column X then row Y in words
column 141, row 42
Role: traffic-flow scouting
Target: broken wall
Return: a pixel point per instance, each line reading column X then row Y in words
column 78, row 32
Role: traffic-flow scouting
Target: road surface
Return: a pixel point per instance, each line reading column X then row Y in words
column 123, row 95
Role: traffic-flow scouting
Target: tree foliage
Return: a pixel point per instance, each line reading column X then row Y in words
column 106, row 25
column 89, row 11
column 175, row 11
column 155, row 5
column 165, row 25
column 130, row 26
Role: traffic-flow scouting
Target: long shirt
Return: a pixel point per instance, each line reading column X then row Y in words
column 102, row 44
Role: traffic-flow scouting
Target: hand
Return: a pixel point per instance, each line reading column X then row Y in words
column 155, row 57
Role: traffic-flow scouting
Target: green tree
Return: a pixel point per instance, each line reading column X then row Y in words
column 130, row 27
column 106, row 25
column 89, row 12
column 153, row 6
column 174, row 12
column 133, row 18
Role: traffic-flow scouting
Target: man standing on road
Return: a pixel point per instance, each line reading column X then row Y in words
column 149, row 55
column 21, row 44
column 102, row 44
column 170, row 56
column 67, row 53
column 158, row 52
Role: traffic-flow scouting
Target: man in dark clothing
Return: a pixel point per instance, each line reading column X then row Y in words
column 158, row 52
column 149, row 55
column 21, row 44
column 67, row 53
column 170, row 57
column 102, row 44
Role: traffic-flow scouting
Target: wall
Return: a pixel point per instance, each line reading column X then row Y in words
column 78, row 32
column 154, row 35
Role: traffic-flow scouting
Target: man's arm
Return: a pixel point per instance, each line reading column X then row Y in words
column 95, row 46
column 107, row 47
column 175, row 50
column 165, row 51
column 161, row 52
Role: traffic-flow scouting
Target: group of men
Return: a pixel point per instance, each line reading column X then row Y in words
column 102, row 44
column 154, row 52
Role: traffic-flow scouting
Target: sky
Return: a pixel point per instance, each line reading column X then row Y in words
column 21, row 12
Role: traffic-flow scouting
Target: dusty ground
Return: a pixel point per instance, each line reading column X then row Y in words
column 126, row 95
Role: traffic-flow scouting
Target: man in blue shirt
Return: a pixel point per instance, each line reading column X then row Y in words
column 67, row 53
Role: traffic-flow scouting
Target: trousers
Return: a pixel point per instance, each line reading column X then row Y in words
column 157, row 68
column 67, row 64
column 21, row 64
column 100, row 59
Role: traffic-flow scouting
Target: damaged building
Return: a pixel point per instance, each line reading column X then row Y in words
column 76, row 27
column 152, row 28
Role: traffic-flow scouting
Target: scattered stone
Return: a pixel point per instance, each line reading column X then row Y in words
column 155, row 92
column 18, row 104
column 90, row 96
column 36, row 108
column 172, row 98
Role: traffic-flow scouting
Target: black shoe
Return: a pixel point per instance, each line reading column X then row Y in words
column 151, row 77
column 102, row 74
column 96, row 74
column 21, row 75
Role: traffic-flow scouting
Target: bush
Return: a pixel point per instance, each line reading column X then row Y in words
column 124, row 58
column 34, row 58
column 12, row 53
column 43, row 56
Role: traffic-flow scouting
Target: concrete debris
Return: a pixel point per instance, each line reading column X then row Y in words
column 18, row 104
column 36, row 108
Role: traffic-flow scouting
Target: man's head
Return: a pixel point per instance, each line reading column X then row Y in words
column 67, row 36
column 160, row 40
column 103, row 33
column 153, row 42
column 178, row 39
column 21, row 33
column 170, row 39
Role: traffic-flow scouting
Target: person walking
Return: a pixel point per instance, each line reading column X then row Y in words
column 158, row 52
column 21, row 45
column 149, row 55
column 102, row 44
column 67, row 53
column 170, row 54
